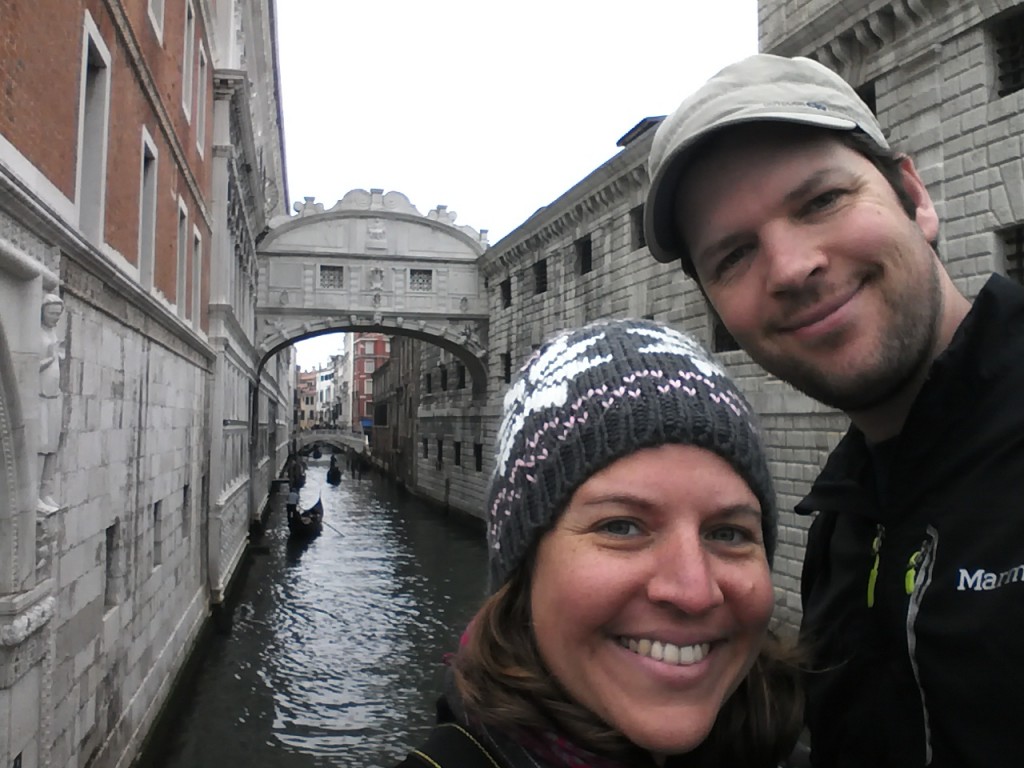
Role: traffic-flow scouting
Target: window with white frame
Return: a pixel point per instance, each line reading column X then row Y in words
column 147, row 210
column 421, row 280
column 369, row 366
column 197, row 277
column 156, row 18
column 368, row 347
column 182, row 274
column 187, row 59
column 93, row 126
column 201, row 102
column 367, row 386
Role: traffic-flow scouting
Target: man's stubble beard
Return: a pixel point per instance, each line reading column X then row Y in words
column 905, row 348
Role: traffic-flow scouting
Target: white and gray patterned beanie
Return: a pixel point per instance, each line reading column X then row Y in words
column 593, row 395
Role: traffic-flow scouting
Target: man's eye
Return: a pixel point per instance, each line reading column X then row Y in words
column 730, row 260
column 823, row 201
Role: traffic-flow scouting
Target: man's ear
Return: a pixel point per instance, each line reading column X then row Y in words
column 924, row 209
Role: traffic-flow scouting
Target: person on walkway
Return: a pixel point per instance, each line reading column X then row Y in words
column 631, row 525
column 776, row 190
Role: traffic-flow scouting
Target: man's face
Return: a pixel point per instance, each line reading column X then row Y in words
column 812, row 263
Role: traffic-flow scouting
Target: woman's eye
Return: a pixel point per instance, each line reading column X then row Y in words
column 620, row 527
column 731, row 535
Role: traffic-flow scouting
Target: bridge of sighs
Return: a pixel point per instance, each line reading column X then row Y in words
column 373, row 262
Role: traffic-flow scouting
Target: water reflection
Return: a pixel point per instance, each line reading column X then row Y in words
column 334, row 656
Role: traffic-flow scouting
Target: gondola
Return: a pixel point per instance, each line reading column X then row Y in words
column 308, row 523
column 317, row 453
column 334, row 475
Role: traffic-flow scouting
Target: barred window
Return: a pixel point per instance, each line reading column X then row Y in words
column 1013, row 252
column 1008, row 36
column 721, row 339
column 584, row 255
column 332, row 277
column 867, row 94
column 637, row 239
column 506, row 293
column 458, row 454
column 421, row 280
column 540, row 277
column 478, row 456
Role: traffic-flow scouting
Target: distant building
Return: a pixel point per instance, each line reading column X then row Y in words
column 369, row 351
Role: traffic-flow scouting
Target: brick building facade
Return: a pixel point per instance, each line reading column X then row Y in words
column 120, row 139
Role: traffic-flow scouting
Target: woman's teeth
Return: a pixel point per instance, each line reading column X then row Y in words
column 667, row 652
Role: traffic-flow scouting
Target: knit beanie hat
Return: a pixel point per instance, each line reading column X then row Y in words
column 593, row 395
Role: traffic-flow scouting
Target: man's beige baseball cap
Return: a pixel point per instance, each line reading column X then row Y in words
column 761, row 87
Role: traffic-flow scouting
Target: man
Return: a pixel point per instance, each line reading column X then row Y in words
column 776, row 189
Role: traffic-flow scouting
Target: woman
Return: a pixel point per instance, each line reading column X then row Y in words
column 631, row 527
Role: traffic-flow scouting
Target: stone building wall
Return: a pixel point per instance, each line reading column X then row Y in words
column 104, row 572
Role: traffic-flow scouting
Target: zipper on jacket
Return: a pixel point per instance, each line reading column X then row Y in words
column 876, row 549
column 918, row 579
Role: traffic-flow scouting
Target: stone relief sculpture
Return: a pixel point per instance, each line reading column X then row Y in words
column 376, row 235
column 51, row 398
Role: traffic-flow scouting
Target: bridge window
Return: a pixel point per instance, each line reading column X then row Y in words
column 1013, row 250
column 332, row 277
column 478, row 456
column 540, row 277
column 636, row 228
column 584, row 255
column 506, row 293
column 421, row 280
column 458, row 454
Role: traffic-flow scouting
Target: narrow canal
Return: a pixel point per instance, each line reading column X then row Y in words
column 334, row 655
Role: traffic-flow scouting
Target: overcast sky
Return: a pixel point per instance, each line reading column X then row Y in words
column 493, row 109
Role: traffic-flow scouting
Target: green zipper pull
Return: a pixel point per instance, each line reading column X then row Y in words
column 876, row 547
column 912, row 572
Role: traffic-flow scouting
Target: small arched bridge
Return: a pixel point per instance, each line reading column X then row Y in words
column 374, row 263
column 334, row 438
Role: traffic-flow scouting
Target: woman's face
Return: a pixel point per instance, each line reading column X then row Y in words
column 651, row 595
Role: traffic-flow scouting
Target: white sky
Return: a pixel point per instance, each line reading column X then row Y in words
column 491, row 108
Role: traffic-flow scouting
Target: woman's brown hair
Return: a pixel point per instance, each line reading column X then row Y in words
column 503, row 683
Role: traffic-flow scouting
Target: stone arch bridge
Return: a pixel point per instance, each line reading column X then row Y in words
column 373, row 262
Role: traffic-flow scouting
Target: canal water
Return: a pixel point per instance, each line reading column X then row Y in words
column 334, row 657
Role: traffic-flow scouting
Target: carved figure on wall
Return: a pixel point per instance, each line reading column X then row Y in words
column 376, row 278
column 376, row 236
column 51, row 398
